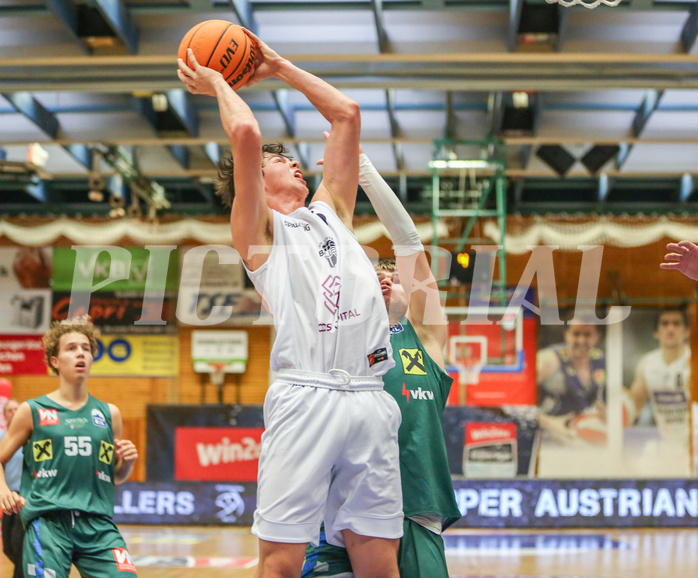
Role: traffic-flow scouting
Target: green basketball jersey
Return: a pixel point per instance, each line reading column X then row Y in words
column 69, row 459
column 421, row 389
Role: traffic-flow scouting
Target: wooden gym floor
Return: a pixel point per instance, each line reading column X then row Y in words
column 206, row 552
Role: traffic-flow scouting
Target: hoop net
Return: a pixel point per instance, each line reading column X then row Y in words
column 217, row 375
column 469, row 371
column 585, row 3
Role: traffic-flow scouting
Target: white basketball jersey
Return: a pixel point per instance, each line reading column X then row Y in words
column 324, row 295
column 668, row 391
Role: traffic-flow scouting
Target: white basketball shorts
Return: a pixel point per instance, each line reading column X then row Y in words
column 332, row 455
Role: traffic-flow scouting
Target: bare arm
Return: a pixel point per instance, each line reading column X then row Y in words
column 638, row 390
column 15, row 438
column 250, row 218
column 341, row 163
column 125, row 453
column 547, row 363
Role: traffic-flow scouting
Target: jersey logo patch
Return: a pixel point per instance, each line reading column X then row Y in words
column 43, row 450
column 98, row 418
column 412, row 361
column 328, row 250
column 48, row 416
column 106, row 452
column 123, row 560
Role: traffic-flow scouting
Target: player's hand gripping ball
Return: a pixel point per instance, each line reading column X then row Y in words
column 222, row 46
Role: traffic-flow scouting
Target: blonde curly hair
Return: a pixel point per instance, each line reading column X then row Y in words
column 52, row 338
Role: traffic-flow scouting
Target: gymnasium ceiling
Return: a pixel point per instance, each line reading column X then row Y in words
column 611, row 95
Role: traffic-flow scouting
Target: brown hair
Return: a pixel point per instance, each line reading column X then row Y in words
column 224, row 184
column 52, row 338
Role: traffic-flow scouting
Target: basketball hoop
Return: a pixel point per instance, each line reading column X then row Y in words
column 585, row 3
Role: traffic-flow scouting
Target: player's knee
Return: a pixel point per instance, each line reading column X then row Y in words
column 277, row 560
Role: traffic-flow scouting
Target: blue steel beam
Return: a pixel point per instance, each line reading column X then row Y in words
column 244, row 13
column 377, row 9
column 117, row 16
column 182, row 106
column 642, row 116
column 515, row 9
column 690, row 30
column 26, row 104
column 67, row 13
column 395, row 133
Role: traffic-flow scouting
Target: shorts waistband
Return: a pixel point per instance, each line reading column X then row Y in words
column 334, row 379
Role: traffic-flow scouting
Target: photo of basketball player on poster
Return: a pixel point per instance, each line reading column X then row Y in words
column 571, row 380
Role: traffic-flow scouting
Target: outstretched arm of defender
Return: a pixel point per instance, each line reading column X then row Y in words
column 683, row 257
column 250, row 217
column 425, row 310
column 15, row 438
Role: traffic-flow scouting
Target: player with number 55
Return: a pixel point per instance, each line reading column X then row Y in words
column 73, row 456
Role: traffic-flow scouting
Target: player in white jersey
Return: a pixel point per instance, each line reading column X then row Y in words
column 332, row 341
column 662, row 377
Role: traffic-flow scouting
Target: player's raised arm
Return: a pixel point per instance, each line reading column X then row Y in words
column 683, row 256
column 341, row 165
column 250, row 217
column 425, row 310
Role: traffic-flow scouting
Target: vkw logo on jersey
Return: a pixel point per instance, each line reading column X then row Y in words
column 230, row 502
column 413, row 361
column 106, row 452
column 98, row 418
column 43, row 450
column 328, row 250
column 123, row 560
column 48, row 417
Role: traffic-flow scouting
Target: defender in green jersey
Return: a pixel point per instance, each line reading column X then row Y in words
column 421, row 386
column 73, row 456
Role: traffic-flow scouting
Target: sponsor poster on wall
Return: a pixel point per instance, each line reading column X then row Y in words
column 119, row 312
column 25, row 294
column 653, row 346
column 137, row 356
column 22, row 355
column 215, row 290
column 123, row 290
column 217, row 454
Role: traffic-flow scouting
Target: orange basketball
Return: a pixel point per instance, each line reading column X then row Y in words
column 222, row 46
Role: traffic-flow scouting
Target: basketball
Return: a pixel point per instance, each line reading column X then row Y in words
column 590, row 427
column 222, row 46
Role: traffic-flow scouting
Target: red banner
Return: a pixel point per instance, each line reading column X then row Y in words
column 217, row 454
column 490, row 450
column 22, row 355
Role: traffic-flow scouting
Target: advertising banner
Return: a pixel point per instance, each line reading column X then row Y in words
column 122, row 312
column 137, row 356
column 501, row 441
column 490, row 450
column 484, row 504
column 215, row 291
column 164, row 420
column 110, row 268
column 22, row 355
column 217, row 453
column 185, row 503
